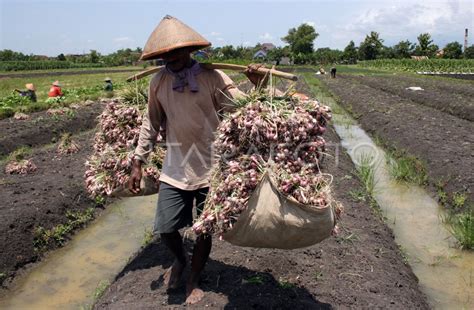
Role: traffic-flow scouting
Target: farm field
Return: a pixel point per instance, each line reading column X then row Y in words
column 362, row 267
column 54, row 190
column 77, row 86
column 435, row 125
column 73, row 71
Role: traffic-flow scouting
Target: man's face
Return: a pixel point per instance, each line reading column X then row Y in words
column 177, row 59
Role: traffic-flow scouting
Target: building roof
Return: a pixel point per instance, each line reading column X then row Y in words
column 268, row 46
column 260, row 54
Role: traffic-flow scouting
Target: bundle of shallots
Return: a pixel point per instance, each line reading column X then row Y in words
column 280, row 135
column 67, row 145
column 109, row 168
column 119, row 127
column 24, row 166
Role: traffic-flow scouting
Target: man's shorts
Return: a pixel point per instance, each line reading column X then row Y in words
column 175, row 207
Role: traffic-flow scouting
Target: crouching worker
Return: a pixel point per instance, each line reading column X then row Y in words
column 184, row 99
column 108, row 85
column 30, row 92
column 55, row 90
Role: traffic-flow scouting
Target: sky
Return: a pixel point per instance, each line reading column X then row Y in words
column 74, row 27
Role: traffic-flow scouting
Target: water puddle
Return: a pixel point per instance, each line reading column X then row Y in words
column 445, row 274
column 68, row 277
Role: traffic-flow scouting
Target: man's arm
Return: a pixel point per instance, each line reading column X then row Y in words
column 149, row 130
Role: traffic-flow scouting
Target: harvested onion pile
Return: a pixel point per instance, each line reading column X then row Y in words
column 24, row 166
column 283, row 135
column 67, row 145
column 109, row 168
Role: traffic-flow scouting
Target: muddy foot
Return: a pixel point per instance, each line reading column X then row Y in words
column 194, row 295
column 172, row 275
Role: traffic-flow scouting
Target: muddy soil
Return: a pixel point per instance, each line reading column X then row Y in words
column 448, row 96
column 40, row 199
column 42, row 128
column 443, row 141
column 361, row 268
column 457, row 76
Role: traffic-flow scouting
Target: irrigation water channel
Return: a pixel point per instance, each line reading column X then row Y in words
column 68, row 277
column 446, row 274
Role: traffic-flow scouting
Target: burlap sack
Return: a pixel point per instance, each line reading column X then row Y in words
column 147, row 187
column 274, row 221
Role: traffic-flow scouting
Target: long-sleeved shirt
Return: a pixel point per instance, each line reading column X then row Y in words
column 29, row 93
column 55, row 91
column 190, row 120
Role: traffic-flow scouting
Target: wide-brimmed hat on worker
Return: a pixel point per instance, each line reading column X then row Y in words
column 56, row 83
column 107, row 79
column 30, row 86
column 171, row 34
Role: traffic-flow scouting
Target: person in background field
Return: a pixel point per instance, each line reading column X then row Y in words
column 30, row 92
column 108, row 85
column 333, row 72
column 55, row 90
column 186, row 100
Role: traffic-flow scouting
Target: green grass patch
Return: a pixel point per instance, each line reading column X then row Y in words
column 461, row 226
column 285, row 284
column 426, row 65
column 365, row 171
column 97, row 294
column 19, row 154
column 147, row 237
column 406, row 168
column 254, row 280
column 57, row 235
column 459, row 199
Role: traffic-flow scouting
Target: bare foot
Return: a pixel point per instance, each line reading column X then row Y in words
column 172, row 275
column 193, row 294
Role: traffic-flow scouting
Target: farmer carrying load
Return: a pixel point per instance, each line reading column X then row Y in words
column 184, row 99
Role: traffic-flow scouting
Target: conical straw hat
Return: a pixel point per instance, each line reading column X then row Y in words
column 171, row 34
column 30, row 86
column 56, row 83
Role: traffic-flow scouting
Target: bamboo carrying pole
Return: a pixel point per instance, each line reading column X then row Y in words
column 261, row 70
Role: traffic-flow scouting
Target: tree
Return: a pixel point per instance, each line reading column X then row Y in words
column 469, row 52
column 350, row 53
column 228, row 52
column 94, row 56
column 61, row 57
column 452, row 50
column 404, row 49
column 9, row 55
column 425, row 46
column 387, row 52
column 276, row 55
column 371, row 47
column 324, row 56
column 301, row 39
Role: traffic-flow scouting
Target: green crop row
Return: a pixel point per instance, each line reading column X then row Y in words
column 425, row 65
column 43, row 65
